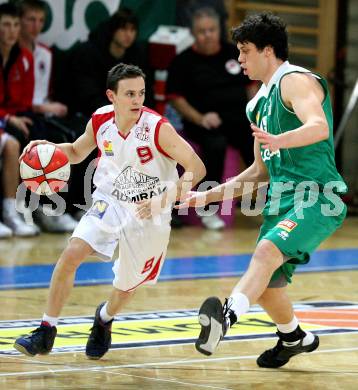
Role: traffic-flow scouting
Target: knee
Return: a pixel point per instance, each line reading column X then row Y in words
column 72, row 257
column 267, row 255
column 12, row 147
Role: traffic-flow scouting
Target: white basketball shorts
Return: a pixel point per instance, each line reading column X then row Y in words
column 142, row 243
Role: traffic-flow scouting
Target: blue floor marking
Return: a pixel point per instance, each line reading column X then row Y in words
column 36, row 276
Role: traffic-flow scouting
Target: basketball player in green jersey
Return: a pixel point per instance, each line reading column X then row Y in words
column 291, row 120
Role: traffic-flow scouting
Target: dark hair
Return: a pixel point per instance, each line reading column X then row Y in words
column 9, row 9
column 264, row 29
column 25, row 5
column 120, row 72
column 202, row 12
column 121, row 19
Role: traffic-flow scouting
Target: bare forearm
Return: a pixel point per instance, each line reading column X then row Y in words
column 308, row 134
column 235, row 187
column 73, row 156
column 190, row 178
column 39, row 108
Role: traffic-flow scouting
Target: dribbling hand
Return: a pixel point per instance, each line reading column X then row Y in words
column 31, row 144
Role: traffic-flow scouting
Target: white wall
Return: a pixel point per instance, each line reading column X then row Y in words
column 64, row 37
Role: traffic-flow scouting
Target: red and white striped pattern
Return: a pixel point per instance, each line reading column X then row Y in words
column 45, row 169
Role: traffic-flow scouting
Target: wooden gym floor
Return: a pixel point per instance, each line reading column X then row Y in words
column 154, row 339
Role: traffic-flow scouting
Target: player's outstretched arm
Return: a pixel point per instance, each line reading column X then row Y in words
column 256, row 174
column 76, row 151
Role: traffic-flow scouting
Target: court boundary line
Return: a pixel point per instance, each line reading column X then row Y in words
column 166, row 380
column 162, row 363
column 297, row 305
column 318, row 257
column 164, row 278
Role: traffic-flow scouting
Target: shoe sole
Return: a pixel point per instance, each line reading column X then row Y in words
column 93, row 357
column 23, row 350
column 210, row 319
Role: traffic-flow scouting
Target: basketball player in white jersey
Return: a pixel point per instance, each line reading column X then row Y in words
column 136, row 183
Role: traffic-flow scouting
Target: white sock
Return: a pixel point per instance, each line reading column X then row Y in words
column 239, row 303
column 288, row 328
column 291, row 327
column 9, row 206
column 53, row 321
column 308, row 339
column 105, row 317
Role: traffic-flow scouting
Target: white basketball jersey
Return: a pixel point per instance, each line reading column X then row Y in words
column 43, row 67
column 134, row 167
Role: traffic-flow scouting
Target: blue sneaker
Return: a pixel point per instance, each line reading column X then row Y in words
column 40, row 341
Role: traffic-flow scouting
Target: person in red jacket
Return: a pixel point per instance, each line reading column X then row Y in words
column 51, row 113
column 16, row 73
column 16, row 90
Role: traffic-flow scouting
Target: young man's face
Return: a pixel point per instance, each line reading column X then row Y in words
column 32, row 22
column 129, row 98
column 252, row 60
column 206, row 31
column 123, row 38
column 9, row 30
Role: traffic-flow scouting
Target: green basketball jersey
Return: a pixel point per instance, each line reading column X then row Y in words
column 308, row 163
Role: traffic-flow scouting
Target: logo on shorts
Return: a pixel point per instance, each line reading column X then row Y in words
column 283, row 235
column 287, row 225
column 98, row 209
column 108, row 148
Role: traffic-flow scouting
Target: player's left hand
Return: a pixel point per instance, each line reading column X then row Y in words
column 267, row 140
column 147, row 209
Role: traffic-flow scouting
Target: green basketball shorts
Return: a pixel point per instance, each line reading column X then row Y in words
column 297, row 233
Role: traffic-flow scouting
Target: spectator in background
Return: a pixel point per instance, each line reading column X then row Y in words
column 206, row 86
column 112, row 42
column 10, row 179
column 32, row 20
column 17, row 83
column 16, row 89
column 49, row 113
column 186, row 8
column 16, row 74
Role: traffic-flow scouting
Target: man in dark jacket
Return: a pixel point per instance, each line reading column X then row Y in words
column 113, row 41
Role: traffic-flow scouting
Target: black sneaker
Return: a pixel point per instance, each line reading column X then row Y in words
column 279, row 355
column 215, row 320
column 99, row 341
column 40, row 341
